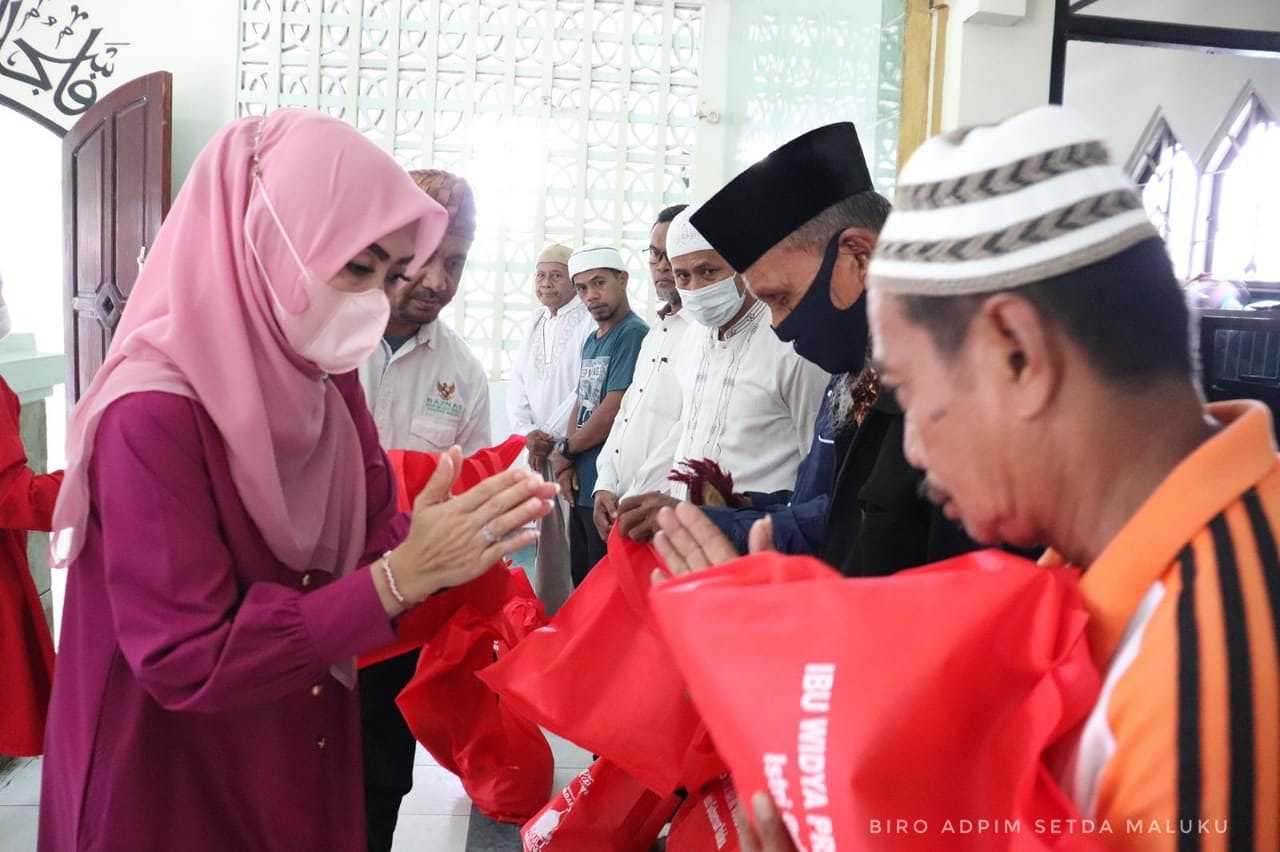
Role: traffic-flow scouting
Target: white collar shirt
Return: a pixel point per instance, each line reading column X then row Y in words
column 544, row 375
column 749, row 403
column 638, row 454
column 429, row 394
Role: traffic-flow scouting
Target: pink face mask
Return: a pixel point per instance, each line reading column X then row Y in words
column 336, row 331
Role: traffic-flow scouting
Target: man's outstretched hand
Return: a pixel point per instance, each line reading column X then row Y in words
column 638, row 515
column 771, row 835
column 688, row 541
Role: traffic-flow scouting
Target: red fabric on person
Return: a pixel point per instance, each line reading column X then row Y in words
column 26, row 664
column 602, row 810
column 503, row 761
column 925, row 696
column 707, row 821
column 487, row 593
column 600, row 676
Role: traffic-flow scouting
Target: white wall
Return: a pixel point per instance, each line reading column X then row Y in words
column 1240, row 14
column 1120, row 87
column 196, row 41
column 993, row 71
column 31, row 227
column 193, row 39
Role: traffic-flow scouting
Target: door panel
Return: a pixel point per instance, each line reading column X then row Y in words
column 116, row 188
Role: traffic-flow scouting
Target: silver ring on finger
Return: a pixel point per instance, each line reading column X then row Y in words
column 487, row 534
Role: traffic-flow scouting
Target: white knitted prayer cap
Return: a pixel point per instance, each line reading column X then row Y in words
column 998, row 206
column 683, row 238
column 595, row 257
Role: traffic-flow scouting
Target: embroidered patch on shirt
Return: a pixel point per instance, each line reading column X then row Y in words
column 443, row 402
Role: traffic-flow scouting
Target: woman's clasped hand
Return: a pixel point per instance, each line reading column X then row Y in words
column 455, row 539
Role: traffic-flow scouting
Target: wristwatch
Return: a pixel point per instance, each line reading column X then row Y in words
column 563, row 449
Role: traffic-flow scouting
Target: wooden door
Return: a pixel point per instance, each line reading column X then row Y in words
column 115, row 192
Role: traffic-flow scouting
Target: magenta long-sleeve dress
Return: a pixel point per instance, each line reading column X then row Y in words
column 192, row 705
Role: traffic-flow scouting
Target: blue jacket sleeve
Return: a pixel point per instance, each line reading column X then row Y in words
column 768, row 499
column 734, row 523
column 797, row 529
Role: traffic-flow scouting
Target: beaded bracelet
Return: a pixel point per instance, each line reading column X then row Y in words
column 391, row 580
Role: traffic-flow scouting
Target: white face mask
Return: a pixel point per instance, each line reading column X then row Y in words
column 6, row 323
column 713, row 305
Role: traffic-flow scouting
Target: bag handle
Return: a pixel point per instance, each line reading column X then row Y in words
column 633, row 565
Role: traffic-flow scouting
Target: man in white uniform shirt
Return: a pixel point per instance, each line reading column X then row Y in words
column 427, row 392
column 540, row 397
column 638, row 454
column 749, row 402
column 426, row 389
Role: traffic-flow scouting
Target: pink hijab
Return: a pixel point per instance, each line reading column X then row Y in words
column 199, row 324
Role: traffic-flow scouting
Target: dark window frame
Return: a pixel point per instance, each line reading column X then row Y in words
column 1069, row 24
column 1145, row 164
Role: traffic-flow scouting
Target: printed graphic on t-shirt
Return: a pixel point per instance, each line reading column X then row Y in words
column 591, row 385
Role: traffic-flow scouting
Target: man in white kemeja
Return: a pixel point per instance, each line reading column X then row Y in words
column 749, row 401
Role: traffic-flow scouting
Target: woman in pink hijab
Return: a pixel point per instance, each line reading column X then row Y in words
column 229, row 519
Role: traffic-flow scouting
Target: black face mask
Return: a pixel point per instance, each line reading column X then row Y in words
column 834, row 339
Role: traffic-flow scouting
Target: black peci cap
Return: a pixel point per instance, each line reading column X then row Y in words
column 777, row 195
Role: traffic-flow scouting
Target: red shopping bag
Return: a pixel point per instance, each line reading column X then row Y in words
column 602, row 810
column 487, row 593
column 707, row 821
column 412, row 469
column 909, row 711
column 599, row 675
column 503, row 761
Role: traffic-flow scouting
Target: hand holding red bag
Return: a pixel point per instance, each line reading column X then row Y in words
column 707, row 821
column 599, row 675
column 927, row 697
column 487, row 593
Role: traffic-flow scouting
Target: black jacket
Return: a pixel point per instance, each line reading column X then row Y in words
column 877, row 523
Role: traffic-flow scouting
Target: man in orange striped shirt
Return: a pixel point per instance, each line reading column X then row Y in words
column 1027, row 314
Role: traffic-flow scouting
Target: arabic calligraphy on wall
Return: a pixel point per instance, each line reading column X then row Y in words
column 52, row 60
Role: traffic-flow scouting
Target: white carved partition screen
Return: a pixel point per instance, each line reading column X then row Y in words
column 573, row 120
column 799, row 64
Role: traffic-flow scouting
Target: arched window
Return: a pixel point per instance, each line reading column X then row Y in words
column 1168, row 180
column 1242, row 175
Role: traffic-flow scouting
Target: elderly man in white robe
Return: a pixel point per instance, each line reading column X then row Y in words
column 544, row 375
column 749, row 402
column 543, row 390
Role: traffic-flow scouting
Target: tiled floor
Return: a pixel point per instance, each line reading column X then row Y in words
column 435, row 817
column 19, row 801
